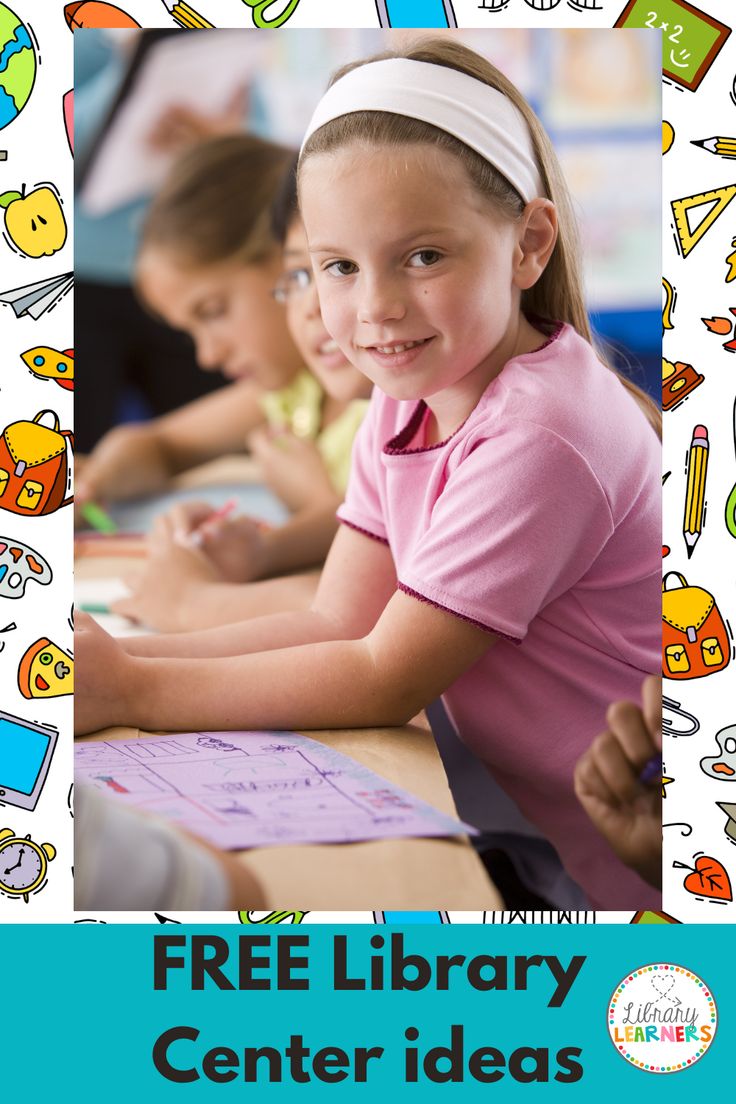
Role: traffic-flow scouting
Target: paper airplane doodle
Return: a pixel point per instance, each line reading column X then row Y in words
column 36, row 299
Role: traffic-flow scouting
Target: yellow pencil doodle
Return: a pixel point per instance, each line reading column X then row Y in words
column 187, row 16
column 697, row 474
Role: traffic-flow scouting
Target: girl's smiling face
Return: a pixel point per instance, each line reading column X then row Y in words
column 228, row 310
column 419, row 279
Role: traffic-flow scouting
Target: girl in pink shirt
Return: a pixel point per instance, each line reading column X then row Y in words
column 501, row 534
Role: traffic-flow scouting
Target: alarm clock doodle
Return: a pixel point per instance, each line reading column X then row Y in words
column 23, row 864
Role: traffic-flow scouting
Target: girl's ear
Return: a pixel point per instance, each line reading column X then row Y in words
column 537, row 234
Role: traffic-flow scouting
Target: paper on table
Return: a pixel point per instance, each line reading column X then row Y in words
column 102, row 593
column 138, row 515
column 201, row 71
column 253, row 789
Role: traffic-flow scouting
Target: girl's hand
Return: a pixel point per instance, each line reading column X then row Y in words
column 168, row 584
column 627, row 812
column 292, row 467
column 104, row 678
column 234, row 549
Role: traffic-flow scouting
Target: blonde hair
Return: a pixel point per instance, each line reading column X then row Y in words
column 215, row 204
column 558, row 294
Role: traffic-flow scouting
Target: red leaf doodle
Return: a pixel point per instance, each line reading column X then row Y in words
column 709, row 879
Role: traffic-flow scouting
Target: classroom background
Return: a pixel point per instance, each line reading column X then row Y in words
column 597, row 93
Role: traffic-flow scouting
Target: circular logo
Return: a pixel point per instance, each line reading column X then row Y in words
column 662, row 1018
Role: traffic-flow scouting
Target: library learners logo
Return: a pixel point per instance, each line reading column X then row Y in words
column 662, row 1018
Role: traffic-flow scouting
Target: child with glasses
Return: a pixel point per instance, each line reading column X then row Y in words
column 208, row 262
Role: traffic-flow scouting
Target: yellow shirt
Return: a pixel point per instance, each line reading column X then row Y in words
column 298, row 408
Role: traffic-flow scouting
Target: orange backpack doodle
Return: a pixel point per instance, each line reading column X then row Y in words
column 34, row 466
column 695, row 640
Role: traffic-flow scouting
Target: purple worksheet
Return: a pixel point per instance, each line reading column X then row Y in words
column 251, row 789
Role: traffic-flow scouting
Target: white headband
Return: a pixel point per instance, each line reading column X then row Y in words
column 480, row 116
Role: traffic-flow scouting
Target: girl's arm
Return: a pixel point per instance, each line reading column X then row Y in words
column 137, row 459
column 410, row 655
column 301, row 542
column 356, row 584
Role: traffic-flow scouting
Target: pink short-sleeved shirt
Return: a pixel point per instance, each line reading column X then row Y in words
column 540, row 521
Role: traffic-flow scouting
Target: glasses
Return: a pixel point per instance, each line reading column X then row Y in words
column 291, row 284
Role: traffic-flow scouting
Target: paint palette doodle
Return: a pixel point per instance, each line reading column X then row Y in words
column 18, row 564
column 723, row 766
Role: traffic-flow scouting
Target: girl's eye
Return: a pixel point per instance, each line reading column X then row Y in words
column 342, row 268
column 210, row 311
column 424, row 258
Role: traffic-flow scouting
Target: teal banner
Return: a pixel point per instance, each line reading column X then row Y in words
column 120, row 1013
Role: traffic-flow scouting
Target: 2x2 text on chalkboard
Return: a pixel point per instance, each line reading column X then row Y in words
column 266, row 962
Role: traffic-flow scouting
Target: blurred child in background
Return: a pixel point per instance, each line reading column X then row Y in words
column 208, row 264
column 188, row 583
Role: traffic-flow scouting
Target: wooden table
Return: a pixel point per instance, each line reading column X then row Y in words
column 384, row 874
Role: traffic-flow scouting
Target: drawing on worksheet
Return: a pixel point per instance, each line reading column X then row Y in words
column 254, row 789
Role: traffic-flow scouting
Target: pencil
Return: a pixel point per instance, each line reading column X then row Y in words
column 197, row 535
column 723, row 147
column 186, row 16
column 98, row 518
column 652, row 770
column 697, row 470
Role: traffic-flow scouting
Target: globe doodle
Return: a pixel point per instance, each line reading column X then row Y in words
column 17, row 65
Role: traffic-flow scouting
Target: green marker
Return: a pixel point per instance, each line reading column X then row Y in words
column 94, row 607
column 98, row 518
